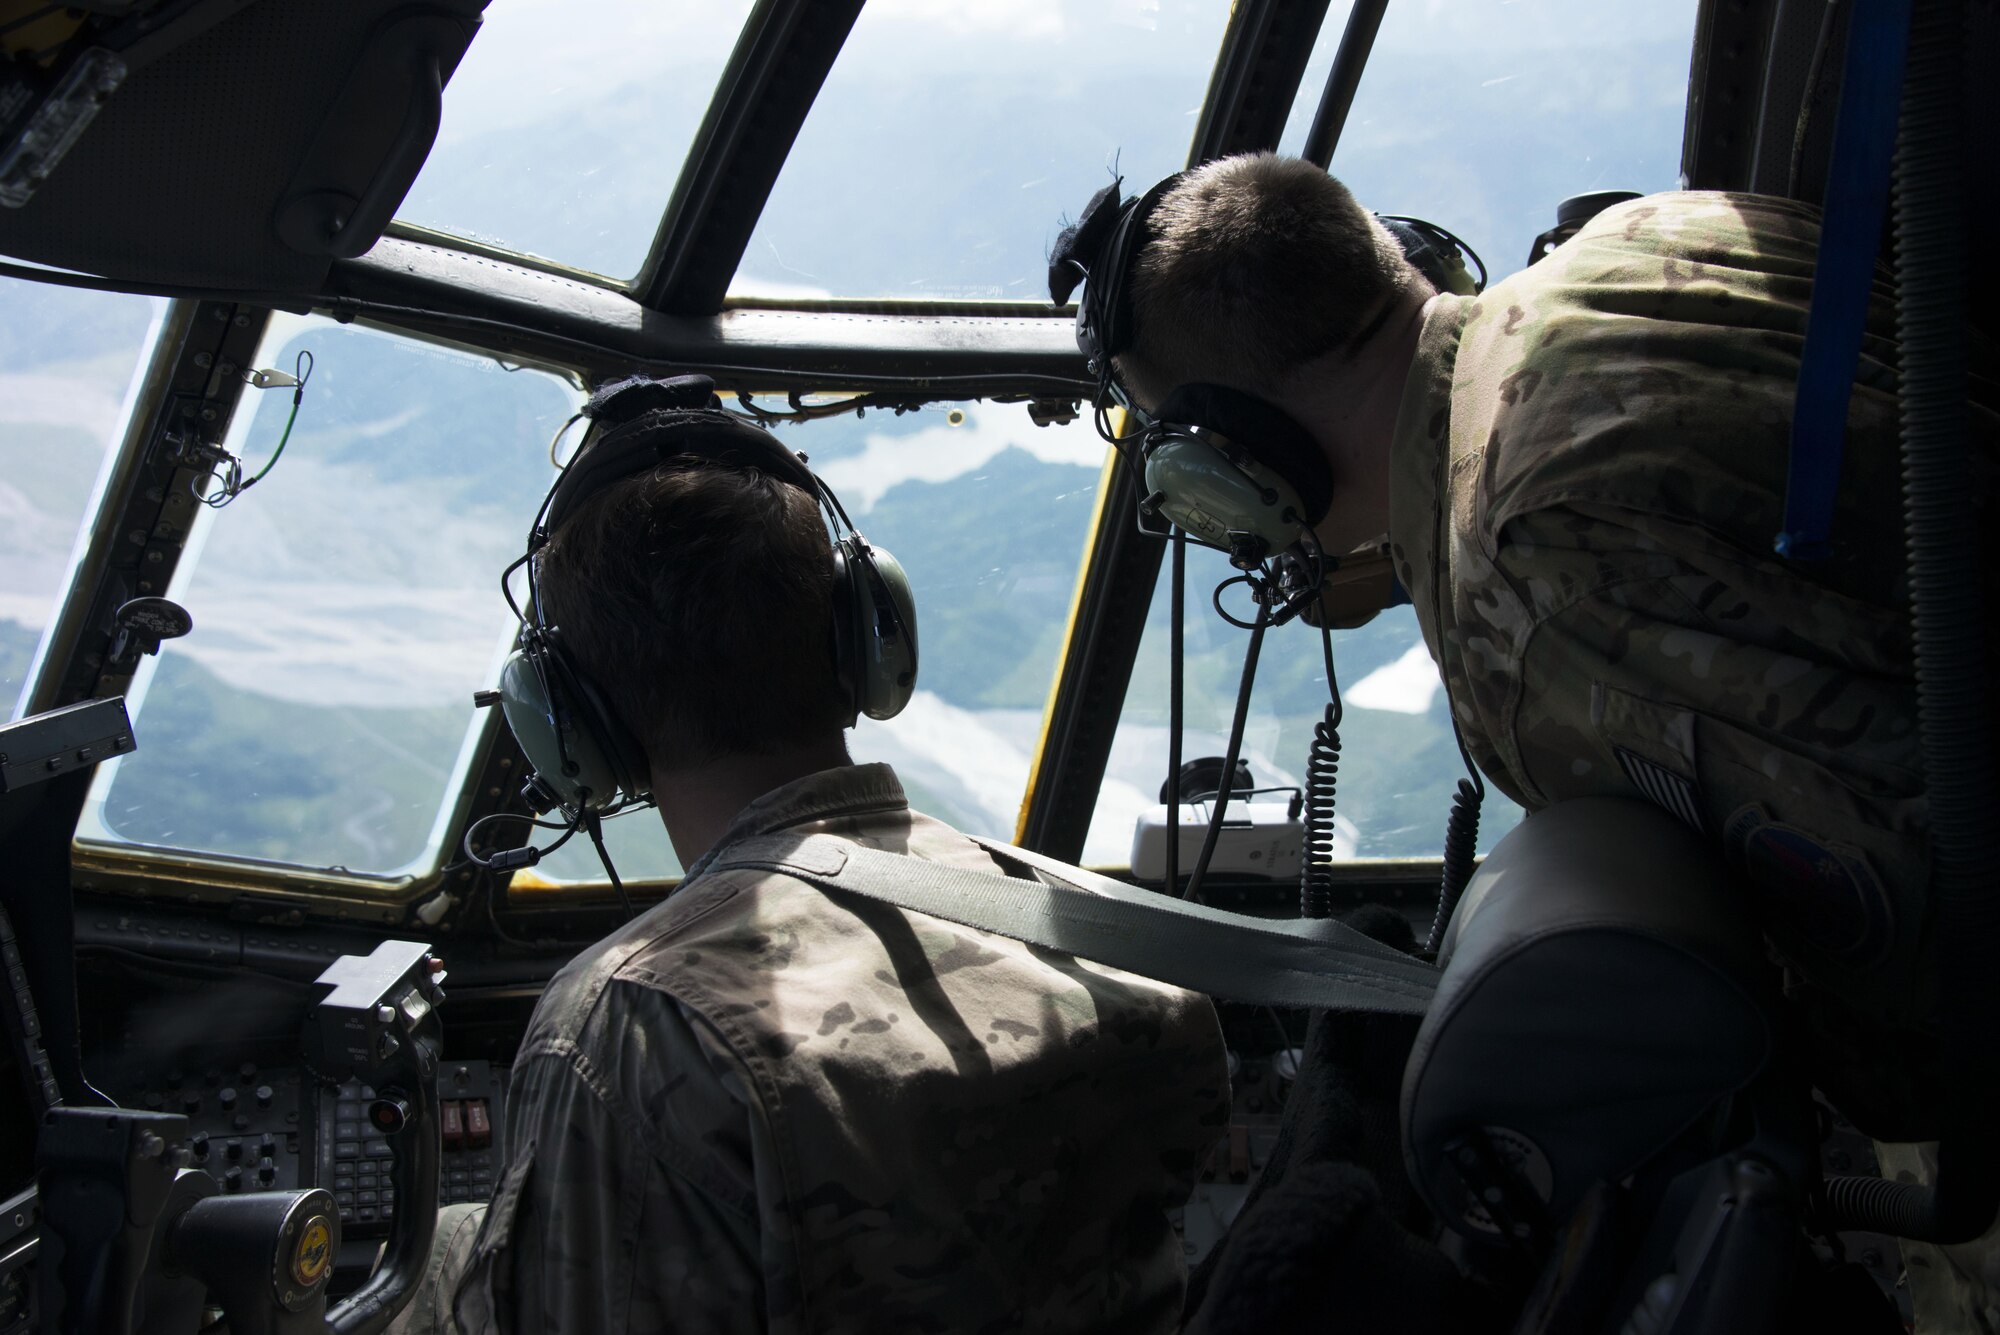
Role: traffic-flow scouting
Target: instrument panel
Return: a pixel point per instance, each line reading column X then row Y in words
column 200, row 1017
column 275, row 1128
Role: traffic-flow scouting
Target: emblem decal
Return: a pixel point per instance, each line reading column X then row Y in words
column 314, row 1254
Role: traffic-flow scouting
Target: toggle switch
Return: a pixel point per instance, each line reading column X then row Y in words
column 478, row 1125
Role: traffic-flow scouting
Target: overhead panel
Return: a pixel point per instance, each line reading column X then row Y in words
column 566, row 126
column 251, row 154
column 950, row 140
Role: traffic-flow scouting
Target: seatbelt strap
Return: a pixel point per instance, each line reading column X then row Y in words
column 1316, row 963
column 1857, row 194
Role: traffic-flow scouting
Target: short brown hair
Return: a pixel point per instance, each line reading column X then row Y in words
column 1258, row 264
column 699, row 599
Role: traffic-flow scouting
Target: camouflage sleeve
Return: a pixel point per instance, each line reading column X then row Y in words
column 429, row 1311
column 1769, row 713
column 627, row 1204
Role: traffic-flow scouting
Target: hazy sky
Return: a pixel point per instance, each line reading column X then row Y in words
column 952, row 135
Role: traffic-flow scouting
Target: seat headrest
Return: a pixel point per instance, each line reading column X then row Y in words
column 1602, row 989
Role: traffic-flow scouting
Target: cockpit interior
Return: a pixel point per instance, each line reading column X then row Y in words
column 299, row 302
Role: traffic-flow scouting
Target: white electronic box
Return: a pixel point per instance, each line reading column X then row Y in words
column 1258, row 839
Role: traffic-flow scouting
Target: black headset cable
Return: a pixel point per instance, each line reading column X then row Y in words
column 593, row 825
column 1235, row 749
column 1461, row 843
column 1176, row 637
column 510, row 858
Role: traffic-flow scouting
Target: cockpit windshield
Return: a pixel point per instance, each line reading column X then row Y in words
column 321, row 716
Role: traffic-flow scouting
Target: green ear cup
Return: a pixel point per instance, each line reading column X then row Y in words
column 875, row 628
column 891, row 671
column 559, row 721
column 1212, row 497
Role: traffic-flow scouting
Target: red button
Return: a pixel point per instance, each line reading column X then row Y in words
column 454, row 1125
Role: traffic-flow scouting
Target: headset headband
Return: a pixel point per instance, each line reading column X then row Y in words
column 665, row 428
column 584, row 758
column 1100, row 248
column 1127, row 240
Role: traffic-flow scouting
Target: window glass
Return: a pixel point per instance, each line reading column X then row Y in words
column 1398, row 761
column 1483, row 115
column 70, row 363
column 345, row 609
column 954, row 135
column 564, row 132
column 988, row 514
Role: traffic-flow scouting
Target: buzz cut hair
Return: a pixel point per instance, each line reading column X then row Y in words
column 1257, row 265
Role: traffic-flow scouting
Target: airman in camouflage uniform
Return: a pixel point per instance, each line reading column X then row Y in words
column 1586, row 473
column 1589, row 470
column 761, row 1107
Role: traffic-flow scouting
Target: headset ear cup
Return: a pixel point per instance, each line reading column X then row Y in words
column 1225, row 462
column 875, row 626
column 560, row 723
column 893, row 672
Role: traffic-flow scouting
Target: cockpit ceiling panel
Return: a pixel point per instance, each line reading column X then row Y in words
column 219, row 163
column 563, row 134
column 951, row 136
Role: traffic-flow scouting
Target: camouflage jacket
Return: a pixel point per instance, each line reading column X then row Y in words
column 760, row 1107
column 1589, row 471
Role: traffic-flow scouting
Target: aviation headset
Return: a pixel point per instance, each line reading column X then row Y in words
column 585, row 761
column 1232, row 469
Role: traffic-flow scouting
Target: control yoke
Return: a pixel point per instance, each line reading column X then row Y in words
column 135, row 1245
column 380, row 1024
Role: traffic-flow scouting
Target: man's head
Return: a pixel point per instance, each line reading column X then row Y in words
column 1257, row 266
column 699, row 599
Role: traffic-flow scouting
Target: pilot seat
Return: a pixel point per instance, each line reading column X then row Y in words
column 1598, row 1106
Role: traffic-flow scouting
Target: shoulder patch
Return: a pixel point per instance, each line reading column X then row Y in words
column 1825, row 891
column 1673, row 792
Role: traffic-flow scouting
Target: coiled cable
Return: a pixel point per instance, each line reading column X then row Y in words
column 1461, row 845
column 1322, row 772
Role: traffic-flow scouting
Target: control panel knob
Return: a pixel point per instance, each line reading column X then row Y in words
column 248, row 1070
column 267, row 1172
column 234, row 1149
column 267, row 1148
column 264, row 1096
column 233, row 1180
column 191, row 1104
column 154, row 1100
column 388, row 1115
column 227, row 1098
column 199, row 1144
